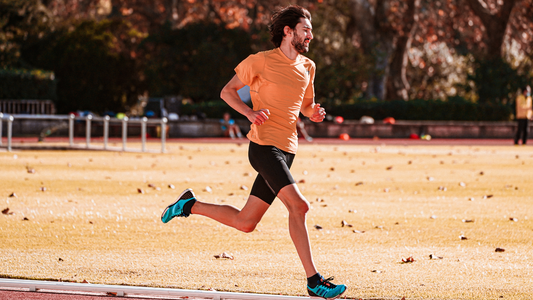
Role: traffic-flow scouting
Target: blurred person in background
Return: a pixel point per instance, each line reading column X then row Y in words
column 523, row 115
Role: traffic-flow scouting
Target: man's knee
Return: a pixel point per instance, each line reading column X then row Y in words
column 301, row 207
column 294, row 200
column 247, row 226
column 297, row 205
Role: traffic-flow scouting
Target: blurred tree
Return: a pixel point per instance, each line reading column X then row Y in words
column 194, row 61
column 341, row 67
column 19, row 20
column 385, row 28
column 451, row 43
column 494, row 21
column 94, row 65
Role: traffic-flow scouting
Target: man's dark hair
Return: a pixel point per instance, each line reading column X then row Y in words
column 288, row 16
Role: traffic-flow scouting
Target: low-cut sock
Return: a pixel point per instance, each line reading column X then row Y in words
column 188, row 206
column 314, row 280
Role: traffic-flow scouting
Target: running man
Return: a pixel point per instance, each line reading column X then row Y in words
column 281, row 86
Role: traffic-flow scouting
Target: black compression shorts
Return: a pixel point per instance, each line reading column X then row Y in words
column 273, row 166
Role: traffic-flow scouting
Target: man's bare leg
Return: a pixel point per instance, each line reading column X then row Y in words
column 244, row 219
column 298, row 207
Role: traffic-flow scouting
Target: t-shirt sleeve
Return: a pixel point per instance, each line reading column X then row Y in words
column 310, row 91
column 250, row 68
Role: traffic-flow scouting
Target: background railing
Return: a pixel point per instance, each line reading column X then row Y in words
column 88, row 121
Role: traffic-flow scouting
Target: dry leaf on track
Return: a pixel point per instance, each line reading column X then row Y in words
column 224, row 255
column 408, row 260
column 345, row 224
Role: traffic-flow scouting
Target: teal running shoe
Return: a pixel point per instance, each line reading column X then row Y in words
column 176, row 209
column 326, row 289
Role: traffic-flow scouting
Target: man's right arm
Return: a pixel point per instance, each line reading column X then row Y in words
column 231, row 97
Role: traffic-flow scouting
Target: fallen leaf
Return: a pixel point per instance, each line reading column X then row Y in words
column 462, row 237
column 332, row 169
column 140, row 191
column 499, row 250
column 389, row 168
column 359, row 183
column 5, row 211
column 353, row 211
column 345, row 224
column 358, row 231
column 60, row 259
column 25, row 219
column 151, row 185
column 301, row 181
column 30, row 170
column 244, row 188
column 171, row 186
column 410, row 259
column 433, row 256
column 481, row 173
column 13, row 195
column 488, row 196
column 224, row 255
column 318, row 227
column 513, row 219
column 43, row 189
column 442, row 188
column 377, row 271
column 468, row 221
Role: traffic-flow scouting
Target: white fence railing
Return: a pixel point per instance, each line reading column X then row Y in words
column 88, row 121
column 144, row 292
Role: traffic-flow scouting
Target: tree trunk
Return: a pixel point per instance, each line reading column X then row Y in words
column 495, row 24
column 377, row 41
column 397, row 84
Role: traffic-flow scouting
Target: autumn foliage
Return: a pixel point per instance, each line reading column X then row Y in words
column 107, row 53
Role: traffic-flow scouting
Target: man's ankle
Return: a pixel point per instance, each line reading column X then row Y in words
column 314, row 280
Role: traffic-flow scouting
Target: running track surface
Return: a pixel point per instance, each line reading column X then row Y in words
column 320, row 141
column 22, row 295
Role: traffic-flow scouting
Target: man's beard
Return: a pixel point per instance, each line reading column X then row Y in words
column 299, row 44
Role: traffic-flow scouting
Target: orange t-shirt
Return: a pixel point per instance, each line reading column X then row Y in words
column 278, row 84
